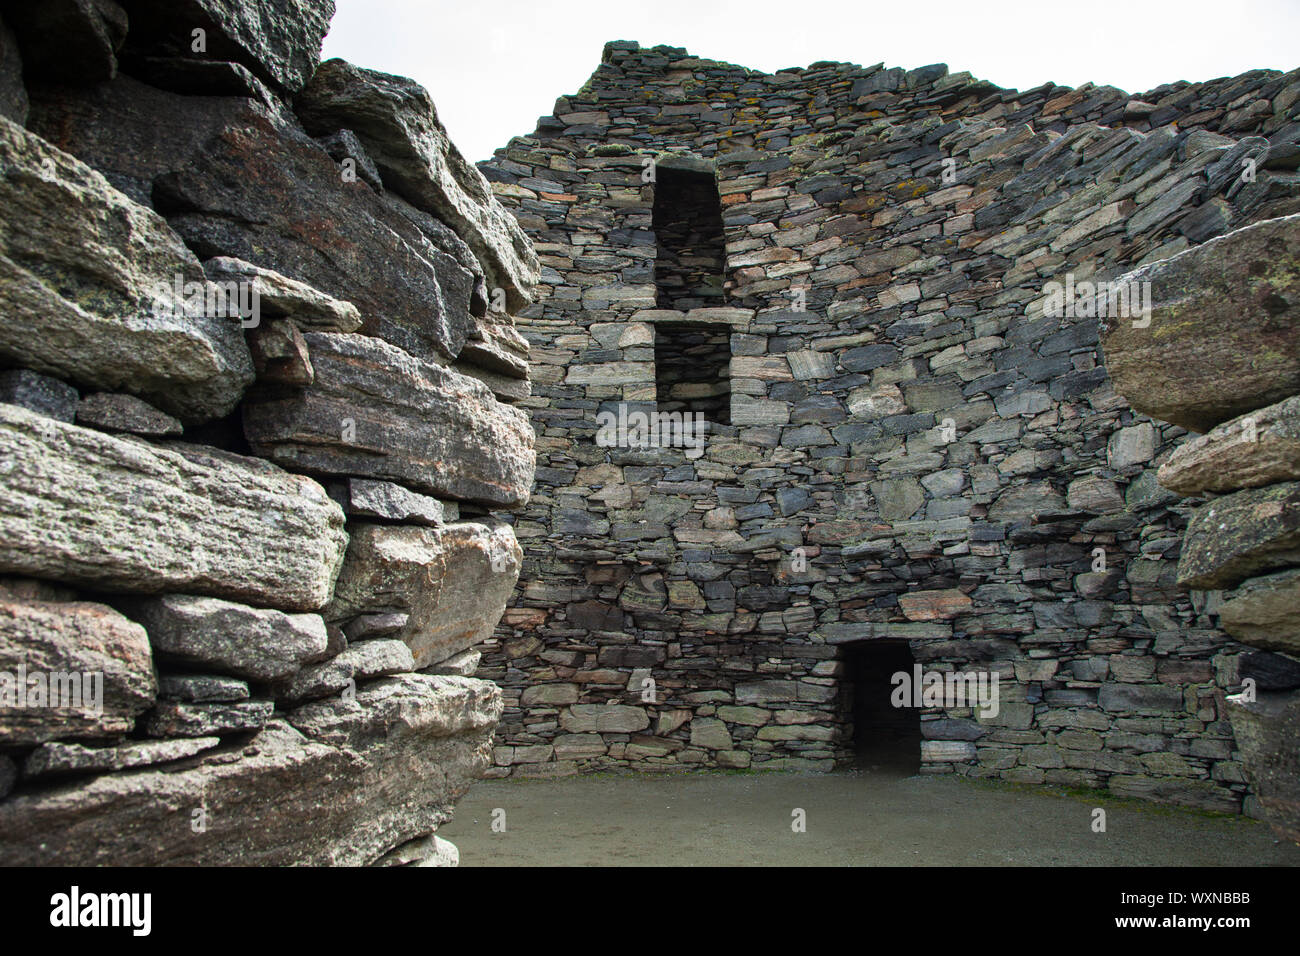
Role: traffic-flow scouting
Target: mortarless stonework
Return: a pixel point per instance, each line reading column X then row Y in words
column 182, row 483
column 915, row 451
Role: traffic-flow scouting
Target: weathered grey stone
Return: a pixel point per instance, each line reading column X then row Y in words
column 362, row 498
column 96, row 273
column 1224, row 336
column 604, row 719
column 279, row 40
column 80, row 506
column 258, row 644
column 344, row 148
column 280, row 355
column 463, row 664
column 13, row 94
column 1267, row 731
column 1269, row 671
column 361, row 661
column 453, row 582
column 1259, row 448
column 395, row 120
column 1262, row 612
column 1241, row 535
column 176, row 718
column 38, row 393
column 69, row 40
column 56, row 758
column 86, row 657
column 1140, row 697
column 370, row 775
column 280, row 296
column 427, row 851
column 421, row 425
column 1201, row 794
column 202, row 688
column 118, row 412
column 265, row 192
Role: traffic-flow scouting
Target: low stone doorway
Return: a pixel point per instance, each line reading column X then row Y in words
column 883, row 737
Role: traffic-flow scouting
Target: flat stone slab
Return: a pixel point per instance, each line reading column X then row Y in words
column 1264, row 612
column 355, row 780
column 1241, row 535
column 177, row 718
column 59, row 758
column 91, row 270
column 260, row 644
column 101, row 511
column 385, row 500
column 361, row 661
column 453, row 582
column 417, row 424
column 1224, row 332
column 1259, row 448
column 70, row 670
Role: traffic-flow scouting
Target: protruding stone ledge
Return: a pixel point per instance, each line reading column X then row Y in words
column 1259, row 448
column 1224, row 331
column 100, row 511
column 375, row 411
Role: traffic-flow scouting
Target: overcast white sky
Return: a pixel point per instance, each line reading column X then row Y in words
column 495, row 66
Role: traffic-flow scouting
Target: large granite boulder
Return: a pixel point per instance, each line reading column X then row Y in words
column 115, row 513
column 279, row 40
column 88, row 283
column 70, row 671
column 396, row 122
column 345, row 784
column 452, row 583
column 417, row 423
column 1224, row 332
column 1241, row 535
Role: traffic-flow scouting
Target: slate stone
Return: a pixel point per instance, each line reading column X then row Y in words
column 61, row 758
column 1266, row 731
column 174, row 718
column 1261, row 447
column 361, row 661
column 1262, row 612
column 363, row 498
column 202, row 688
column 13, row 93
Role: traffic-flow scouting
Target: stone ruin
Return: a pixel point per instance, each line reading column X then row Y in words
column 258, row 431
column 883, row 291
column 930, row 354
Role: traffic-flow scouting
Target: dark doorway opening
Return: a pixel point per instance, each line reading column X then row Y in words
column 693, row 369
column 885, row 737
column 691, row 249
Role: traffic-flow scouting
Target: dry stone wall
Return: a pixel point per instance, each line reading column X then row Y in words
column 258, row 429
column 918, row 448
column 1238, row 299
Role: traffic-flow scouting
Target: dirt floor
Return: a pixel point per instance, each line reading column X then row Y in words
column 852, row 819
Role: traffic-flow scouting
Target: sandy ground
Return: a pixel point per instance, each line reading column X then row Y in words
column 853, row 819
